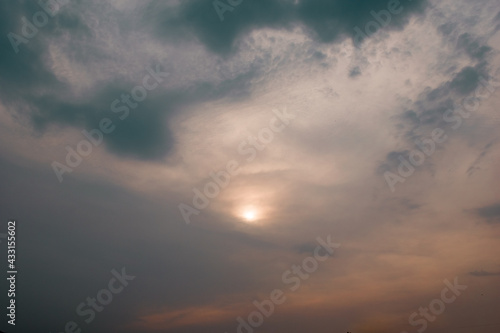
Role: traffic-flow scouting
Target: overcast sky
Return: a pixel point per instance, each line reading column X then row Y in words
column 204, row 147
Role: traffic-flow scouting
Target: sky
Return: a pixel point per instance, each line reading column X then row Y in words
column 250, row 165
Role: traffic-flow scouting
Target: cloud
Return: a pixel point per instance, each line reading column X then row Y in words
column 497, row 19
column 305, row 248
column 465, row 81
column 490, row 213
column 356, row 71
column 475, row 165
column 474, row 47
column 324, row 20
column 25, row 70
column 33, row 88
column 120, row 208
column 426, row 112
column 483, row 273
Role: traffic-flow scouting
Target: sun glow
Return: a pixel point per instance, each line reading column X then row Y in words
column 250, row 215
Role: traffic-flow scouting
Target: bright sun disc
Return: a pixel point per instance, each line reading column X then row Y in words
column 249, row 215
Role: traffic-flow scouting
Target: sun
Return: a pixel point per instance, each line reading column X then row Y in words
column 250, row 215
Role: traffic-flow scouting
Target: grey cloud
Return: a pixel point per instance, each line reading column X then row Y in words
column 447, row 28
column 145, row 134
column 429, row 110
column 72, row 234
column 30, row 87
column 325, row 20
column 331, row 19
column 100, row 226
column 392, row 161
column 490, row 213
column 305, row 248
column 475, row 165
column 24, row 70
column 319, row 55
column 466, row 80
column 473, row 46
column 356, row 71
column 199, row 18
column 409, row 204
column 483, row 273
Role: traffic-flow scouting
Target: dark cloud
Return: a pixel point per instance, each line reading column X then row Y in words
column 474, row 47
column 427, row 112
column 24, row 70
column 447, row 28
column 475, row 165
column 325, row 20
column 356, row 71
column 319, row 55
column 482, row 273
column 392, row 161
column 142, row 134
column 199, row 18
column 306, row 248
column 490, row 213
column 30, row 87
column 465, row 81
column 332, row 19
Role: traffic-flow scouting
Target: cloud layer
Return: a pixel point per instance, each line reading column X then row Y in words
column 391, row 149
